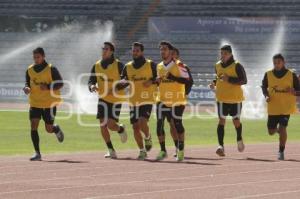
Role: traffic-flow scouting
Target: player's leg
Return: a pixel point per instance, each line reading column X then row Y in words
column 106, row 137
column 282, row 142
column 235, row 112
column 49, row 117
column 35, row 117
column 143, row 122
column 273, row 121
column 114, row 111
column 238, row 127
column 102, row 115
column 282, row 135
column 177, row 115
column 113, row 125
column 174, row 136
column 160, row 115
column 222, row 113
column 144, row 115
column 134, row 120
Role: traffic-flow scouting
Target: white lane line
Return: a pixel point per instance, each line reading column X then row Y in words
column 193, row 188
column 215, row 158
column 52, row 162
column 131, row 152
column 121, row 154
column 191, row 149
column 266, row 194
column 147, row 163
column 126, row 173
column 144, row 163
column 144, row 181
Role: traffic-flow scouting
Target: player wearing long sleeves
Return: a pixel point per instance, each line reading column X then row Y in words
column 229, row 96
column 43, row 84
column 173, row 77
column 280, row 87
column 105, row 74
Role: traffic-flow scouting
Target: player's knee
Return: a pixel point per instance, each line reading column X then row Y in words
column 103, row 123
column 222, row 121
column 136, row 127
column 173, row 129
column 111, row 124
column 179, row 126
column 142, row 122
column 49, row 128
column 272, row 131
column 103, row 129
column 34, row 129
column 236, row 122
column 281, row 127
column 34, row 123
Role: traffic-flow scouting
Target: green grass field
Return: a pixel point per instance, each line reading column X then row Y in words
column 15, row 134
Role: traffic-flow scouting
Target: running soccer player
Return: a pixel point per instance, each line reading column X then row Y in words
column 140, row 75
column 229, row 95
column 188, row 87
column 105, row 74
column 43, row 84
column 279, row 86
column 172, row 78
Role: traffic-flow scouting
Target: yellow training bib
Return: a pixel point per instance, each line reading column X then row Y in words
column 42, row 98
column 281, row 101
column 139, row 94
column 170, row 93
column 107, row 78
column 227, row 92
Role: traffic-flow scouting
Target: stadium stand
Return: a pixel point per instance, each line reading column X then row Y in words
column 130, row 20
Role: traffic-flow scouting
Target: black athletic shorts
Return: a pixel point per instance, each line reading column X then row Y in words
column 48, row 114
column 137, row 112
column 107, row 110
column 274, row 120
column 175, row 112
column 225, row 109
column 162, row 112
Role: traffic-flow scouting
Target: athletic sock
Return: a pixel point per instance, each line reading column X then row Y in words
column 180, row 145
column 35, row 141
column 239, row 133
column 220, row 131
column 163, row 146
column 55, row 128
column 176, row 143
column 281, row 149
column 148, row 138
column 121, row 130
column 109, row 145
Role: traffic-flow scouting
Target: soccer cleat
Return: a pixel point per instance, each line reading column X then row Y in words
column 180, row 156
column 220, row 151
column 60, row 135
column 240, row 146
column 123, row 134
column 111, row 154
column 36, row 157
column 161, row 155
column 280, row 155
column 148, row 144
column 142, row 155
